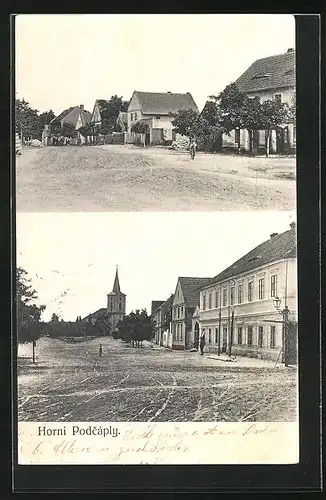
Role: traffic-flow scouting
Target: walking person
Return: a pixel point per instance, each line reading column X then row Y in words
column 100, row 350
column 193, row 147
column 202, row 344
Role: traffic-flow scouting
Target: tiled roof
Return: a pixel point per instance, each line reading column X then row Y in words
column 70, row 115
column 190, row 288
column 95, row 314
column 282, row 246
column 163, row 103
column 269, row 73
column 155, row 304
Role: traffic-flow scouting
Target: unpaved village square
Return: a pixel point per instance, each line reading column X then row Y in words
column 130, row 178
column 71, row 383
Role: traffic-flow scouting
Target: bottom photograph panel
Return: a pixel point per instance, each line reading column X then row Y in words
column 159, row 338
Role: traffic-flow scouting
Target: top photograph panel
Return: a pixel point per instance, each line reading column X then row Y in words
column 154, row 112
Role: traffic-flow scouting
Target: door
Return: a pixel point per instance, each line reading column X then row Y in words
column 225, row 338
column 196, row 335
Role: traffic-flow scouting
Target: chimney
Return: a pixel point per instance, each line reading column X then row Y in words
column 293, row 225
column 289, row 51
column 169, row 92
column 81, row 107
column 273, row 235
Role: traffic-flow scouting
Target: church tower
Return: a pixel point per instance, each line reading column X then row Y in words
column 116, row 305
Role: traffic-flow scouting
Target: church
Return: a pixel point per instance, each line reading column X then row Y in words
column 115, row 309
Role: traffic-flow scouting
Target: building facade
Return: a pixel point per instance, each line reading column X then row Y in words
column 153, row 109
column 185, row 301
column 268, row 78
column 75, row 116
column 237, row 312
column 162, row 316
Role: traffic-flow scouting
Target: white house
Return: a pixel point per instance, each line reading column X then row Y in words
column 237, row 309
column 153, row 109
column 269, row 78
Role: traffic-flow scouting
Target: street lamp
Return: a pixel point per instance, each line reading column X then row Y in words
column 285, row 326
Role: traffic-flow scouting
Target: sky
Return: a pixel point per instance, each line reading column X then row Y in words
column 71, row 258
column 66, row 60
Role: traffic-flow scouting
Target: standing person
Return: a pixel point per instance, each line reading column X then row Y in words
column 193, row 147
column 202, row 344
column 100, row 350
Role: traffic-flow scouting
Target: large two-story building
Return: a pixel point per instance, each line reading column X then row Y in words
column 237, row 311
column 154, row 110
column 269, row 78
column 162, row 316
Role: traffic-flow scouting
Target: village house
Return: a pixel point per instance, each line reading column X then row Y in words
column 153, row 109
column 76, row 116
column 162, row 315
column 238, row 308
column 116, row 306
column 269, row 78
column 185, row 300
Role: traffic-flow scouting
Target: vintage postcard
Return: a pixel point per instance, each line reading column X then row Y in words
column 156, row 244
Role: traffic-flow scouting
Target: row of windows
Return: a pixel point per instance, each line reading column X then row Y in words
column 119, row 305
column 238, row 298
column 178, row 312
column 178, row 332
column 239, row 336
column 133, row 116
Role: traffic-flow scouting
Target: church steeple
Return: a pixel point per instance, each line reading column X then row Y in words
column 116, row 284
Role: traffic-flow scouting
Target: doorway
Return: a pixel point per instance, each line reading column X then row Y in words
column 196, row 335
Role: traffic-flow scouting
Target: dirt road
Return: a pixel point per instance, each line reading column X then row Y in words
column 126, row 178
column 70, row 382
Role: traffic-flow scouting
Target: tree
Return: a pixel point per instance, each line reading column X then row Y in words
column 45, row 118
column 27, row 120
column 109, row 114
column 136, row 327
column 55, row 318
column 139, row 127
column 271, row 115
column 186, row 122
column 67, row 130
column 28, row 312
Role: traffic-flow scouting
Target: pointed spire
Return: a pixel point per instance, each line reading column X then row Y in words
column 116, row 284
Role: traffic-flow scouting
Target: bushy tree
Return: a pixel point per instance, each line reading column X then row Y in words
column 109, row 114
column 28, row 122
column 136, row 327
column 139, row 127
column 186, row 122
column 29, row 313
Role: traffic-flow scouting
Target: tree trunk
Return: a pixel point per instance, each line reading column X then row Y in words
column 268, row 140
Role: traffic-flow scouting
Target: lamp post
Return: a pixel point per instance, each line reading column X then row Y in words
column 285, row 327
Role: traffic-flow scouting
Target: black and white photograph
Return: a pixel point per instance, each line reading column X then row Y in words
column 156, row 238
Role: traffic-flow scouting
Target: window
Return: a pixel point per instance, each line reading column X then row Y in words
column 240, row 293
column 178, row 312
column 182, row 311
column 217, row 298
column 260, row 336
column 204, row 302
column 216, row 335
column 157, row 117
column 178, row 331
column 174, row 332
column 120, row 305
column 181, row 331
column 278, row 98
column 210, row 301
column 261, row 288
column 209, row 336
column 250, row 287
column 135, row 116
column 239, row 335
column 249, row 336
column 131, row 116
column 274, row 285
column 272, row 342
column 224, row 297
column 232, row 295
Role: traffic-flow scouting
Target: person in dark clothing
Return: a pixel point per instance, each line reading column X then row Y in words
column 193, row 147
column 202, row 344
column 196, row 344
column 100, row 350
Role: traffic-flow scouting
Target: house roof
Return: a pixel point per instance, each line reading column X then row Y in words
column 278, row 247
column 70, row 115
column 190, row 288
column 163, row 103
column 156, row 304
column 269, row 73
column 95, row 314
